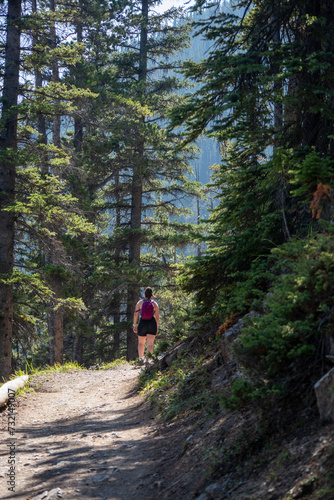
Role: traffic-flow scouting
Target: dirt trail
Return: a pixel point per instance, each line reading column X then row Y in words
column 87, row 433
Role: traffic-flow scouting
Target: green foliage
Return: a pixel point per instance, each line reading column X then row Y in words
column 306, row 168
column 298, row 311
column 242, row 230
column 112, row 364
column 183, row 388
column 87, row 122
column 35, row 372
column 263, row 91
column 176, row 312
column 44, row 201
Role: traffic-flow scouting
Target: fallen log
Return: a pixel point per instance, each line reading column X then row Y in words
column 10, row 388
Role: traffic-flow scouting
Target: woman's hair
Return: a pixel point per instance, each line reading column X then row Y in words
column 148, row 292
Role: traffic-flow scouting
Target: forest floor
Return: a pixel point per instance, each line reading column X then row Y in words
column 90, row 434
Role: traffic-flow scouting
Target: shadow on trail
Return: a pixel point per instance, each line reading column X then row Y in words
column 94, row 458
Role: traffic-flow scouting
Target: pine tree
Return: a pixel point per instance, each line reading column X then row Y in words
column 115, row 103
column 8, row 146
column 144, row 169
column 46, row 164
column 265, row 94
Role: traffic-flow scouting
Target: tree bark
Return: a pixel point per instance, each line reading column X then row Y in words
column 55, row 316
column 41, row 123
column 78, row 352
column 78, row 123
column 134, row 256
column 117, row 295
column 278, row 122
column 8, row 143
column 311, row 121
column 55, row 323
column 78, row 345
column 136, row 196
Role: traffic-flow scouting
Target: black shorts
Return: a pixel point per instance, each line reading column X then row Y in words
column 147, row 326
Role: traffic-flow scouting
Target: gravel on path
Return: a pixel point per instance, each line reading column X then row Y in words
column 82, row 434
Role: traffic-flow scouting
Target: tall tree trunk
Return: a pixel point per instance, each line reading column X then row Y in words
column 311, row 121
column 78, row 345
column 137, row 193
column 78, row 123
column 55, row 316
column 41, row 123
column 8, row 141
column 198, row 207
column 117, row 295
column 55, row 323
column 142, row 73
column 278, row 122
column 134, row 255
column 78, row 352
column 55, row 78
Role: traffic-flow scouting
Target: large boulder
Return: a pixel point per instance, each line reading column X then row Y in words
column 324, row 390
column 230, row 337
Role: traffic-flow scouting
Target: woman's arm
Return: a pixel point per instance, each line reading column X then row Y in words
column 156, row 314
column 136, row 315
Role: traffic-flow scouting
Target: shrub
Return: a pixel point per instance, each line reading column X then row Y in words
column 299, row 308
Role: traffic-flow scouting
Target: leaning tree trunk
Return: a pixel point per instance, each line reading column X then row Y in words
column 8, row 144
column 137, row 193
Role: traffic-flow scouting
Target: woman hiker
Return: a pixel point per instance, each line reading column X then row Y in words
column 148, row 324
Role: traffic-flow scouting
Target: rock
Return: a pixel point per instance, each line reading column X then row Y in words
column 324, row 390
column 171, row 356
column 50, row 495
column 230, row 337
column 203, row 496
column 331, row 345
column 42, row 496
column 63, row 463
column 168, row 359
column 54, row 494
column 157, row 484
column 212, row 488
column 100, row 478
column 222, row 376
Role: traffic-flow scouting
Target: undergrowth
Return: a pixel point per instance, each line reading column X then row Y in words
column 116, row 362
column 34, row 372
column 31, row 370
column 180, row 390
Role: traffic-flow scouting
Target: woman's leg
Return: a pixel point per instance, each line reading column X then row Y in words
column 150, row 342
column 141, row 346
